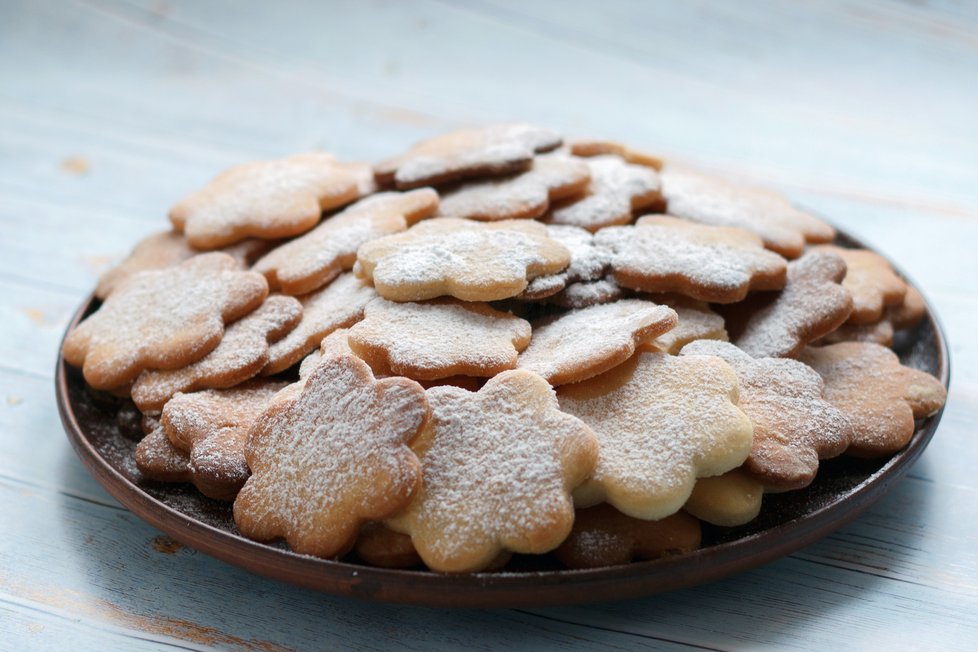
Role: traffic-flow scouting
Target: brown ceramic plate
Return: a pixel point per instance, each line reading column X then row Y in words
column 104, row 432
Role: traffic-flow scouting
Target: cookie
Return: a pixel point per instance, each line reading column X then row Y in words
column 603, row 536
column 317, row 257
column 438, row 339
column 616, row 192
column 909, row 313
column 266, row 199
column 162, row 319
column 491, row 150
column 880, row 396
column 159, row 460
column 338, row 305
column 472, row 261
column 709, row 200
column 662, row 421
column 794, row 426
column 380, row 546
column 727, row 500
column 331, row 458
column 525, row 195
column 242, row 353
column 583, row 343
column 709, row 263
column 593, row 147
column 588, row 262
column 881, row 333
column 812, row 304
column 871, row 281
column 212, row 428
column 695, row 321
column 499, row 465
column 588, row 293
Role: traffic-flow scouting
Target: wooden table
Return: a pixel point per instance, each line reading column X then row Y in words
column 112, row 109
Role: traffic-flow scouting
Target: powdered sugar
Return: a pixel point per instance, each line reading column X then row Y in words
column 695, row 322
column 316, row 258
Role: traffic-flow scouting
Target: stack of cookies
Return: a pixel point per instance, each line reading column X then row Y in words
column 496, row 343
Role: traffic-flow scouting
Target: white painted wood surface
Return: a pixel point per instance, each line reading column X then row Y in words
column 112, row 109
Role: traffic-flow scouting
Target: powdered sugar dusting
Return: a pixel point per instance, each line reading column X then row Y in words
column 695, row 322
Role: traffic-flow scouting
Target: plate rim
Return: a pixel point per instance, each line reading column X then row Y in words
column 510, row 588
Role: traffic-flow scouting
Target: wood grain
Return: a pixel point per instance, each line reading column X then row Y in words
column 110, row 110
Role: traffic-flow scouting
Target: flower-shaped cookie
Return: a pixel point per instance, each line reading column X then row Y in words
column 616, row 191
column 526, row 195
column 242, row 353
column 473, row 261
column 211, row 429
column 338, row 305
column 583, row 343
column 728, row 500
column 881, row 397
column 812, row 304
column 317, row 257
column 695, row 322
column 794, row 427
column 710, row 263
column 480, row 151
column 266, row 199
column 499, row 466
column 588, row 263
column 332, row 457
column 438, row 339
column 603, row 536
column 662, row 422
column 592, row 147
column 871, row 281
column 701, row 198
column 163, row 319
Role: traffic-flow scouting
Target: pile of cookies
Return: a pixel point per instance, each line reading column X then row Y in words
column 499, row 342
